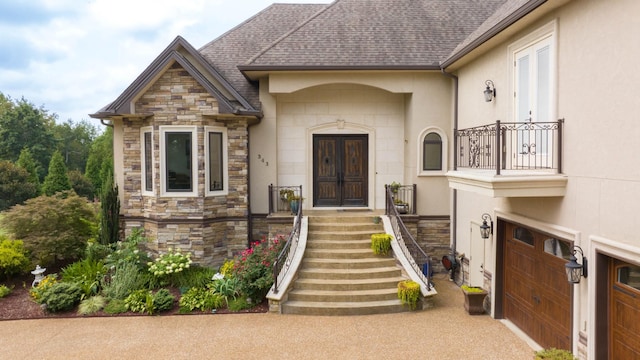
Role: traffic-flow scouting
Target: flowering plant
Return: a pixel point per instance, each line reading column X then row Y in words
column 169, row 263
column 253, row 268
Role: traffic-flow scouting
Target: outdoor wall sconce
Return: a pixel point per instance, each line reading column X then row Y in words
column 573, row 268
column 489, row 91
column 486, row 229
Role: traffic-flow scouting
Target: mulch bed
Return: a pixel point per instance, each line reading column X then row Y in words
column 20, row 305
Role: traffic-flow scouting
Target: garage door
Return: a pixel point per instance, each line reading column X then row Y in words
column 537, row 295
column 625, row 311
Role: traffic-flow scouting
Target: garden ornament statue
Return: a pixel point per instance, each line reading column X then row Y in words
column 38, row 272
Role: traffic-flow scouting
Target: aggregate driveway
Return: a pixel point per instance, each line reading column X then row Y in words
column 443, row 332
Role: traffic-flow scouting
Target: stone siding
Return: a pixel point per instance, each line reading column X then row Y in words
column 212, row 228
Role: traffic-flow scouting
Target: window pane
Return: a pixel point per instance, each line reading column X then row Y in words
column 629, row 275
column 432, row 152
column 215, row 162
column 148, row 164
column 178, row 157
column 558, row 248
column 523, row 235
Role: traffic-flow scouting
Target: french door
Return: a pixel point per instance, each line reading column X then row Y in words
column 340, row 170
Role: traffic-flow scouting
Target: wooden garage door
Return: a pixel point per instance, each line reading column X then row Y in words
column 625, row 311
column 537, row 295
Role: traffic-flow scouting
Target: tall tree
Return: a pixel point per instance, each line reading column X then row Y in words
column 14, row 187
column 27, row 162
column 74, row 142
column 100, row 159
column 22, row 125
column 109, row 212
column 57, row 179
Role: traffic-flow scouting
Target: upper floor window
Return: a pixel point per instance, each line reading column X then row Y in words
column 146, row 154
column 178, row 163
column 216, row 173
column 432, row 157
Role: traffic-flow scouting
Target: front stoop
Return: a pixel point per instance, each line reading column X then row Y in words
column 340, row 275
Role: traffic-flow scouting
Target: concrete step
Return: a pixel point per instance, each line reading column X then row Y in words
column 341, row 234
column 369, row 227
column 339, row 244
column 339, row 253
column 343, row 296
column 347, row 285
column 350, row 274
column 343, row 308
column 343, row 219
column 363, row 263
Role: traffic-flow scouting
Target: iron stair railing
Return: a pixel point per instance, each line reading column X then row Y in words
column 282, row 264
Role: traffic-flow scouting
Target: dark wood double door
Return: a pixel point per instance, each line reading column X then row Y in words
column 340, row 170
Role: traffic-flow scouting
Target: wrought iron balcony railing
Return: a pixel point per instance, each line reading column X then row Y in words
column 511, row 146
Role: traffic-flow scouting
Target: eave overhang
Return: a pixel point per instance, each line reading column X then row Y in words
column 181, row 52
column 512, row 184
column 254, row 72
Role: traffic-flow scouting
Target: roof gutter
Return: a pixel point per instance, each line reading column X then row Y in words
column 496, row 29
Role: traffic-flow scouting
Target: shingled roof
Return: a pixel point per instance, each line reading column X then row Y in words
column 380, row 34
column 239, row 44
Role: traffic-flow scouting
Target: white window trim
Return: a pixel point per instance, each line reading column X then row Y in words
column 143, row 162
column 547, row 31
column 225, row 159
column 445, row 148
column 194, row 161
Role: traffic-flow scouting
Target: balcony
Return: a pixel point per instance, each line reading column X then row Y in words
column 510, row 160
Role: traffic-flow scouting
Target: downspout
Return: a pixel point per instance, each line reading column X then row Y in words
column 454, row 209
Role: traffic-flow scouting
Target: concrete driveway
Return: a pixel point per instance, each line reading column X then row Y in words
column 443, row 332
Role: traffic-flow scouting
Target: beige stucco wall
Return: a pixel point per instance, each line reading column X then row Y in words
column 393, row 108
column 597, row 95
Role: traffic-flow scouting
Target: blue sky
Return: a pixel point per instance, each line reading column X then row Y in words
column 75, row 56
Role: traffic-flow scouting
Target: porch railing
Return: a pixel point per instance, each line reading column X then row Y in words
column 283, row 262
column 404, row 197
column 419, row 260
column 511, row 146
column 280, row 198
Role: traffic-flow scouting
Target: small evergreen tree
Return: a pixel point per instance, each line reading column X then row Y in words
column 57, row 179
column 80, row 184
column 27, row 162
column 109, row 212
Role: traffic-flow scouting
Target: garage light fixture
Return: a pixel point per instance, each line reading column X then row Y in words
column 574, row 269
column 489, row 91
column 486, row 229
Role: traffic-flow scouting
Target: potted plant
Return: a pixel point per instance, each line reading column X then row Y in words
column 473, row 299
column 376, row 220
column 554, row 354
column 394, row 187
column 380, row 243
column 294, row 203
column 401, row 206
column 409, row 293
column 286, row 194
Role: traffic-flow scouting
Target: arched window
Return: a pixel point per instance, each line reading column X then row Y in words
column 432, row 152
column 432, row 158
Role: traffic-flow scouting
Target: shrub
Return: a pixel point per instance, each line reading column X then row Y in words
column 61, row 297
column 409, row 293
column 166, row 266
column 15, row 187
column 56, row 179
column 81, row 184
column 13, row 258
column 380, row 243
column 128, row 251
column 96, row 251
column 200, row 299
column 87, row 273
column 239, row 304
column 91, row 305
column 163, row 300
column 554, row 354
column 254, row 268
column 194, row 276
column 140, row 301
column 4, row 291
column 115, row 306
column 227, row 268
column 45, row 284
column 471, row 289
column 52, row 227
column 109, row 211
column 124, row 279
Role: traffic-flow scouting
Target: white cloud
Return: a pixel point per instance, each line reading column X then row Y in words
column 74, row 56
